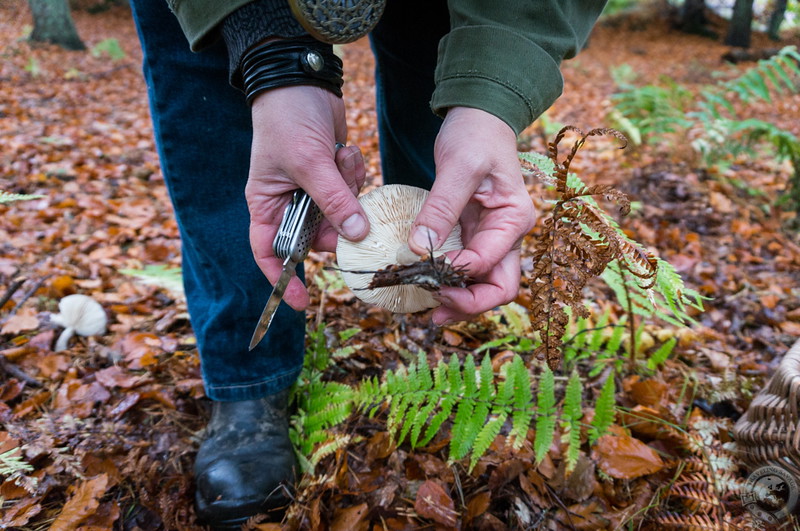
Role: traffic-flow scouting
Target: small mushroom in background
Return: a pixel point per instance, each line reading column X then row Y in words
column 79, row 314
column 391, row 210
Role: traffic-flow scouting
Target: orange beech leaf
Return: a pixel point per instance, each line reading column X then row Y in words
column 116, row 376
column 21, row 322
column 51, row 366
column 140, row 349
column 24, row 408
column 433, row 502
column 20, row 513
column 350, row 518
column 649, row 392
column 478, row 505
column 83, row 503
column 623, row 457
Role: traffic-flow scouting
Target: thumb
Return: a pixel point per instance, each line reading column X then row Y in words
column 336, row 200
column 441, row 211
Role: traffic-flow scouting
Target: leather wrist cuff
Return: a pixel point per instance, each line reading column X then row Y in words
column 289, row 62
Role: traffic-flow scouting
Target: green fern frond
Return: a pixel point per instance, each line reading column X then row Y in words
column 546, row 419
column 603, row 410
column 661, row 354
column 328, row 448
column 523, row 397
column 8, row 197
column 486, row 436
column 570, row 421
column 669, row 299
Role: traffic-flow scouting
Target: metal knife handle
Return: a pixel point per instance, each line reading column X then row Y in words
column 309, row 219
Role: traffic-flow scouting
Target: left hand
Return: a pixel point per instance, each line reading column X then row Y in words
column 479, row 183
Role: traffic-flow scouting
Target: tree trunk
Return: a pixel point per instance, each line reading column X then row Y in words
column 775, row 19
column 693, row 17
column 52, row 22
column 741, row 21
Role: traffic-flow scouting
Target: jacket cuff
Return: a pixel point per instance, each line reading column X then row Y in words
column 199, row 19
column 515, row 89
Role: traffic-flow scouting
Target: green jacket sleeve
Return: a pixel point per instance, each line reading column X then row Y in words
column 199, row 19
column 503, row 56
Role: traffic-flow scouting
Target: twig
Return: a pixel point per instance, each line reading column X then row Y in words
column 12, row 288
column 8, row 368
column 25, row 297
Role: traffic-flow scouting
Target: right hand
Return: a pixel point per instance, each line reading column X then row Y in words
column 295, row 130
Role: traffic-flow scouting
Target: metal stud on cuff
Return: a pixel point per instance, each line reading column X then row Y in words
column 312, row 61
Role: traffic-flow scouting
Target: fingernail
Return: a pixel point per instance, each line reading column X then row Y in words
column 441, row 321
column 354, row 226
column 425, row 237
column 349, row 161
column 444, row 300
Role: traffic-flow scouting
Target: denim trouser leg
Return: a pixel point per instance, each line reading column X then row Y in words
column 405, row 44
column 203, row 132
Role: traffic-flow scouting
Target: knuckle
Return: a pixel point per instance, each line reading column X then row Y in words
column 335, row 202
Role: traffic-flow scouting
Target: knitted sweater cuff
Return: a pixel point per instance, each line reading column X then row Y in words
column 251, row 24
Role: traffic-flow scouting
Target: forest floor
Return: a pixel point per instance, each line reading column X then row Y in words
column 103, row 435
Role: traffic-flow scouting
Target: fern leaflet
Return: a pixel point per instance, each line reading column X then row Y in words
column 570, row 421
column 603, row 410
column 546, row 421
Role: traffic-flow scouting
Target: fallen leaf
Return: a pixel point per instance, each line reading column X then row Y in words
column 623, row 457
column 434, row 503
column 115, row 376
column 20, row 513
column 83, row 503
column 477, row 505
column 349, row 518
column 21, row 322
column 649, row 392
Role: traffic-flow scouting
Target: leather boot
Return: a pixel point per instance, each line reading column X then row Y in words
column 246, row 462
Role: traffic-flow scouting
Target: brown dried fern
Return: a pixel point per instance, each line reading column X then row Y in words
column 578, row 241
column 690, row 522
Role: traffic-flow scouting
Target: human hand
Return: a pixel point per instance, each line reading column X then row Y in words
column 479, row 183
column 295, row 130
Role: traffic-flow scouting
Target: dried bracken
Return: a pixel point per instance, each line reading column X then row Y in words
column 576, row 245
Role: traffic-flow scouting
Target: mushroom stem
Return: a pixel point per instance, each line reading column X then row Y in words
column 405, row 256
column 63, row 339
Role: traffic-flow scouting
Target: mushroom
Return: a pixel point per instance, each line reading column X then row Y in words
column 78, row 314
column 391, row 210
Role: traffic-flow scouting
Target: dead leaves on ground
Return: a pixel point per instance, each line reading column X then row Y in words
column 105, row 432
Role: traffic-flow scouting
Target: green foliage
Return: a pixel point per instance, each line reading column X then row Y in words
column 546, row 420
column 320, row 405
column 669, row 299
column 661, row 354
column 650, row 112
column 109, row 47
column 420, row 402
column 570, row 421
column 653, row 113
column 603, row 410
column 7, row 197
column 13, row 467
column 33, row 67
column 161, row 275
column 477, row 403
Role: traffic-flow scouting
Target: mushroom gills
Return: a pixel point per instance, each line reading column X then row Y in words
column 391, row 210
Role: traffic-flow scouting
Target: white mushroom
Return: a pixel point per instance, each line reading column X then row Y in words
column 78, row 314
column 391, row 211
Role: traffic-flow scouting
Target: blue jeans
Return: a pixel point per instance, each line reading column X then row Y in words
column 203, row 132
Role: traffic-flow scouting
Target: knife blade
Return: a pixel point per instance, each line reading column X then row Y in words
column 274, row 301
column 296, row 232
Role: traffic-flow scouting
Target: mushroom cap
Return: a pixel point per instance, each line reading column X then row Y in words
column 391, row 210
column 81, row 313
